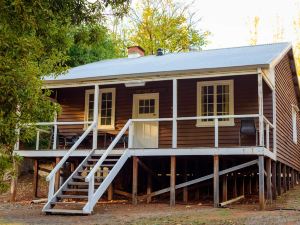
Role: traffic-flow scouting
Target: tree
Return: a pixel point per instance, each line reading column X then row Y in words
column 297, row 42
column 34, row 43
column 92, row 43
column 165, row 24
column 254, row 25
column 278, row 34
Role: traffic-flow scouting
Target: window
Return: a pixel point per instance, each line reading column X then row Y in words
column 295, row 110
column 106, row 115
column 146, row 106
column 215, row 98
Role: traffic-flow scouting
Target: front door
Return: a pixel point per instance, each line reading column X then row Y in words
column 145, row 106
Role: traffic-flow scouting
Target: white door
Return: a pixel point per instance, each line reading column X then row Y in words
column 145, row 106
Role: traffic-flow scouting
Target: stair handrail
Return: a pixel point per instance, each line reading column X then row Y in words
column 108, row 150
column 62, row 187
column 50, row 177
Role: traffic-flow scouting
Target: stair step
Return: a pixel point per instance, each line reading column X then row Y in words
column 69, row 203
column 106, row 160
column 81, row 183
column 108, row 165
column 83, row 177
column 65, row 211
column 76, row 190
column 73, row 196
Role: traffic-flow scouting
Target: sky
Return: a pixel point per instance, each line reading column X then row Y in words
column 228, row 20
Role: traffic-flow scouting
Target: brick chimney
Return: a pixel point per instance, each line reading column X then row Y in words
column 135, row 52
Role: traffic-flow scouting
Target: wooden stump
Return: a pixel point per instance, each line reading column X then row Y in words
column 172, row 180
column 216, row 181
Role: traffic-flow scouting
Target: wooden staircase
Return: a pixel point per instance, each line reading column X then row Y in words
column 86, row 185
column 73, row 195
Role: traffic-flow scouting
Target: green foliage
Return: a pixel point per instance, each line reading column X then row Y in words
column 35, row 38
column 165, row 24
column 91, row 43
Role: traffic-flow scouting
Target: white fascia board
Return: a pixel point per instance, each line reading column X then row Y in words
column 277, row 59
column 150, row 77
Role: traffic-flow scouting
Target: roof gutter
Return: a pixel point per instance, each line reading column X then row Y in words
column 155, row 76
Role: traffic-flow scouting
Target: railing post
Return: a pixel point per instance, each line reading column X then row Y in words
column 260, row 108
column 91, row 191
column 268, row 136
column 37, row 143
column 174, row 122
column 55, row 132
column 95, row 116
column 17, row 144
column 216, row 132
column 130, row 135
column 51, row 188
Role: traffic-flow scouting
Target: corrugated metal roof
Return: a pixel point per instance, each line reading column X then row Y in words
column 207, row 59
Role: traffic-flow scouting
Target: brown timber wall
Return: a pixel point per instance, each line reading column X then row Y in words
column 245, row 102
column 287, row 151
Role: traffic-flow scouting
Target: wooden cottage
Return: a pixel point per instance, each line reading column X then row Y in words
column 183, row 125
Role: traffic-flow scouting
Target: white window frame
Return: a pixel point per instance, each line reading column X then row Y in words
column 200, row 84
column 295, row 111
column 86, row 108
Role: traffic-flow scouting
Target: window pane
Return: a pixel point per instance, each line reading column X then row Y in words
column 146, row 106
column 106, row 108
column 223, row 100
column 207, row 102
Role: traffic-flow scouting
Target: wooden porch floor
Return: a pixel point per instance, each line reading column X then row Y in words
column 244, row 150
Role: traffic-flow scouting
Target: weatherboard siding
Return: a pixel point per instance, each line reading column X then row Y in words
column 287, row 151
column 245, row 102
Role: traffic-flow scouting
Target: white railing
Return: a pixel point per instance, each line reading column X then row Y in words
column 93, row 195
column 51, row 176
column 268, row 126
column 55, row 124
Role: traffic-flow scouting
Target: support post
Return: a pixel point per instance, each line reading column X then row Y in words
column 95, row 116
column 57, row 175
column 174, row 122
column 224, row 188
column 216, row 181
column 288, row 184
column 260, row 109
column 274, row 182
column 292, row 178
column 284, row 177
column 131, row 135
column 274, row 119
column 37, row 143
column 185, row 189
column 134, row 180
column 261, row 175
column 250, row 185
column 35, row 178
column 172, row 180
column 279, row 191
column 55, row 132
column 234, row 185
column 110, row 192
column 269, row 184
column 149, row 187
column 216, row 133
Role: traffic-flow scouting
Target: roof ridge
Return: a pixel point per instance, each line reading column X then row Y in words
column 247, row 46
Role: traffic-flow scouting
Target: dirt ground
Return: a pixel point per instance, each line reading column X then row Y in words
column 286, row 210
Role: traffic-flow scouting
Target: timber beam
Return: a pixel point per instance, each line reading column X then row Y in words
column 201, row 179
